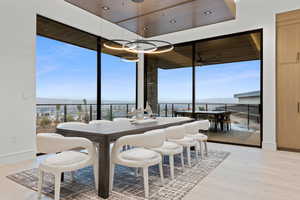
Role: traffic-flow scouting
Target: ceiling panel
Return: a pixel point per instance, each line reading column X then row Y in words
column 120, row 10
column 179, row 18
column 155, row 17
column 243, row 47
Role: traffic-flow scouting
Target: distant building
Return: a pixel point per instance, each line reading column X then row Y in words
column 248, row 97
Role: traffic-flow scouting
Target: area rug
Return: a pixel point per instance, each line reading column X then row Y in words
column 127, row 186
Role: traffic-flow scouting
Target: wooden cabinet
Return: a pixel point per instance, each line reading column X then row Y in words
column 288, row 43
column 288, row 81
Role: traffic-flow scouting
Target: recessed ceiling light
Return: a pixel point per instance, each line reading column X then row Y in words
column 173, row 21
column 105, row 8
column 208, row 12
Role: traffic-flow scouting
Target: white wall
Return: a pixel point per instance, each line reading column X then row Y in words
column 251, row 14
column 17, row 66
column 17, row 80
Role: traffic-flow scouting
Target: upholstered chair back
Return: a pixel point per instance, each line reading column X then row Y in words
column 191, row 128
column 175, row 132
column 203, row 125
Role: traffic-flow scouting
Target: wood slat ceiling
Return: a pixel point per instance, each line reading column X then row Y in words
column 239, row 48
column 61, row 32
column 153, row 17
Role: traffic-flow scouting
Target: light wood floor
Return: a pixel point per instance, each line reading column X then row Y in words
column 235, row 136
column 248, row 173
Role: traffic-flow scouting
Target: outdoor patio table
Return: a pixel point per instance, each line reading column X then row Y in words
column 217, row 115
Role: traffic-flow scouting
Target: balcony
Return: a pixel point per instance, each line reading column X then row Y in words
column 243, row 127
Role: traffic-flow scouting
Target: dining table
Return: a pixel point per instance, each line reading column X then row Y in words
column 105, row 135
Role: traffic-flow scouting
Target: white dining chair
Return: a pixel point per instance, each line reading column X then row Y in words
column 176, row 134
column 169, row 149
column 203, row 125
column 41, row 143
column 192, row 130
column 121, row 121
column 66, row 125
column 65, row 160
column 139, row 156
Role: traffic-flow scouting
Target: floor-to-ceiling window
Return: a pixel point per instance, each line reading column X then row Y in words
column 76, row 75
column 217, row 79
column 217, row 89
column 118, row 86
column 228, row 87
column 174, row 90
column 169, row 78
column 65, row 83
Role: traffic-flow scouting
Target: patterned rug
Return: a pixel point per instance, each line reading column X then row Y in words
column 126, row 185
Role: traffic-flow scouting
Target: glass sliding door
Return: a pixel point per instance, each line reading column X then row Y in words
column 118, row 84
column 216, row 79
column 228, row 87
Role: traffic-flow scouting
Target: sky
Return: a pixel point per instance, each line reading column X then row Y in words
column 213, row 81
column 66, row 71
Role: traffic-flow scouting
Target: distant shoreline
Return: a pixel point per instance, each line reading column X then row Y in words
column 76, row 101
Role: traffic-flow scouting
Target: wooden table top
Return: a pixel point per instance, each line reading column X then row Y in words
column 118, row 129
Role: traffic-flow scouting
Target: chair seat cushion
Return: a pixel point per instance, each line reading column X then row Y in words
column 186, row 141
column 182, row 140
column 170, row 145
column 65, row 158
column 200, row 137
column 49, row 134
column 169, row 148
column 139, row 154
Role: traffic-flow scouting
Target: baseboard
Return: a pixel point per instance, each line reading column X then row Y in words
column 17, row 157
column 269, row 146
column 288, row 149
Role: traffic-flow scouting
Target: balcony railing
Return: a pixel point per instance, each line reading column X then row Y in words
column 49, row 115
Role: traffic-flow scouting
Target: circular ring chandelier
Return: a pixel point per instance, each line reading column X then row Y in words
column 130, row 59
column 140, row 46
column 164, row 47
column 117, row 44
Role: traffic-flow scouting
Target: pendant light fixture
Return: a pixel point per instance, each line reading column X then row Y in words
column 130, row 59
column 140, row 45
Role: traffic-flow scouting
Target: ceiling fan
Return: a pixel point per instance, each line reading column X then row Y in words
column 202, row 60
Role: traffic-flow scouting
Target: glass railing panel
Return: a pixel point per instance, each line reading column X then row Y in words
column 48, row 116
